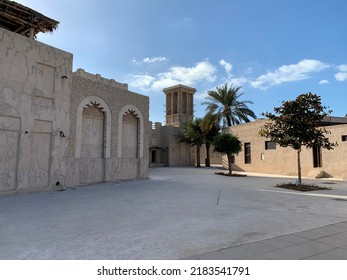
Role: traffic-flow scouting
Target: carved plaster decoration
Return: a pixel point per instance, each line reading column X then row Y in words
column 93, row 110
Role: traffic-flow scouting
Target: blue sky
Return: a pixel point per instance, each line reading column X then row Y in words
column 274, row 49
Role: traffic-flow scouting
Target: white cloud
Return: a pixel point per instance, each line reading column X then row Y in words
column 202, row 72
column 149, row 60
column 323, row 82
column 200, row 96
column 249, row 70
column 341, row 76
column 342, row 67
column 232, row 79
column 289, row 73
column 142, row 81
column 227, row 66
column 154, row 59
column 135, row 61
column 237, row 81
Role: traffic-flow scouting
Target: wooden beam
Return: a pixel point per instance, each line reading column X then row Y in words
column 14, row 16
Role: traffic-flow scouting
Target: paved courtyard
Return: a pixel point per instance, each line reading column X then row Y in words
column 178, row 213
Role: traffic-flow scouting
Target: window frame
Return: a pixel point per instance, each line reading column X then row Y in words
column 270, row 147
column 247, row 152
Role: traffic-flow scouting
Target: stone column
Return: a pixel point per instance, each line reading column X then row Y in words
column 179, row 102
column 172, row 103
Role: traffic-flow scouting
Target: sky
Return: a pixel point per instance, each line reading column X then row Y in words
column 275, row 49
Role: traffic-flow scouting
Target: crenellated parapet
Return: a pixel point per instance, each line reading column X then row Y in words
column 98, row 78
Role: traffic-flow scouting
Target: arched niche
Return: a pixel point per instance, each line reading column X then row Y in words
column 92, row 106
column 130, row 132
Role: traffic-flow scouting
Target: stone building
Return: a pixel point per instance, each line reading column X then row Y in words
column 179, row 105
column 58, row 128
column 263, row 156
column 165, row 150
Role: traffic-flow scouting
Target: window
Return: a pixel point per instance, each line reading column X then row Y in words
column 317, row 156
column 343, row 138
column 247, row 149
column 175, row 103
column 269, row 145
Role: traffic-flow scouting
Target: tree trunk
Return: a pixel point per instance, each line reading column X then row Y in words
column 198, row 156
column 299, row 167
column 229, row 164
column 208, row 145
column 228, row 121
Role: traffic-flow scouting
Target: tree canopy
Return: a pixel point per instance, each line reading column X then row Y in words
column 193, row 134
column 223, row 105
column 228, row 144
column 296, row 124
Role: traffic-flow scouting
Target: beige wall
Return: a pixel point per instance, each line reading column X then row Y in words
column 34, row 108
column 163, row 140
column 47, row 132
column 125, row 130
column 284, row 160
column 215, row 158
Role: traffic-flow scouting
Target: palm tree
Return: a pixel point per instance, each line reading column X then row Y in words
column 223, row 105
column 193, row 134
column 210, row 131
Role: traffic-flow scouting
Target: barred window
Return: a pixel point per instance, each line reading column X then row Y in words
column 269, row 145
column 247, row 149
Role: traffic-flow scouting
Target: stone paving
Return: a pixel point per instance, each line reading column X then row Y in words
column 322, row 243
column 177, row 213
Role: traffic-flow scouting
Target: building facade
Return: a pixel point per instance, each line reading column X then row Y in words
column 179, row 105
column 165, row 150
column 263, row 156
column 60, row 128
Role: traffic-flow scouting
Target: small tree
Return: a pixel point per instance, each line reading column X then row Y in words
column 296, row 125
column 193, row 134
column 227, row 144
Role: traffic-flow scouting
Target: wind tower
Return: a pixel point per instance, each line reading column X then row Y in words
column 179, row 105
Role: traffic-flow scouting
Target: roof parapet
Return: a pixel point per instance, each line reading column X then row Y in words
column 98, row 78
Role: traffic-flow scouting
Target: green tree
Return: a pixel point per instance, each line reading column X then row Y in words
column 193, row 134
column 295, row 124
column 228, row 144
column 223, row 105
column 209, row 132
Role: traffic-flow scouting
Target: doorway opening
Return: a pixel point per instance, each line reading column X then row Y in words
column 317, row 157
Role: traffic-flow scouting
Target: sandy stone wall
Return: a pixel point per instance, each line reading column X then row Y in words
column 169, row 152
column 60, row 129
column 116, row 101
column 215, row 158
column 284, row 160
column 34, row 109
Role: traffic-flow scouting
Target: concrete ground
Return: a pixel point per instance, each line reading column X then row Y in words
column 178, row 213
